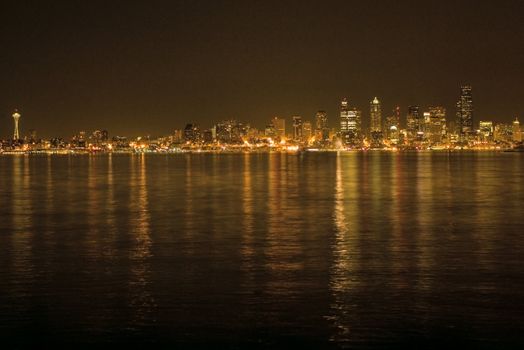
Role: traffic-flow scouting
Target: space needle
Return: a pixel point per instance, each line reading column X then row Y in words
column 16, row 117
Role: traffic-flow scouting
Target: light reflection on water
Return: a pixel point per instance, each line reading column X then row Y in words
column 349, row 249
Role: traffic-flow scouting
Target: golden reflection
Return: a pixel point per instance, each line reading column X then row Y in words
column 49, row 199
column 110, row 205
column 345, row 249
column 22, row 214
column 94, row 242
column 397, row 217
column 142, row 300
column 424, row 237
column 283, row 249
column 485, row 195
column 248, row 203
column 189, row 206
column 248, row 240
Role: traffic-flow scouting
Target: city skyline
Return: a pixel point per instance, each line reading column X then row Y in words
column 157, row 67
column 348, row 118
column 269, row 174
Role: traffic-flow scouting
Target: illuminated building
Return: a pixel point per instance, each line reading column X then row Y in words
column 393, row 127
column 436, row 124
column 229, row 131
column 269, row 131
column 375, row 115
column 344, row 116
column 178, row 136
column 207, row 136
column 32, row 135
column 99, row 136
column 349, row 124
column 503, row 133
column 307, row 131
column 252, row 134
column 297, row 128
column 279, row 125
column 486, row 130
column 120, row 142
column 413, row 123
column 517, row 134
column 16, row 118
column 465, row 111
column 322, row 130
column 375, row 126
column 192, row 133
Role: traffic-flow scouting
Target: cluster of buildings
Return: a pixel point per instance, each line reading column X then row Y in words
column 416, row 129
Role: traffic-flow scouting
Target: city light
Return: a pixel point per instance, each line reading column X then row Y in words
column 420, row 131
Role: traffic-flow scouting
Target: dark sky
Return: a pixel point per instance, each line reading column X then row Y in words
column 152, row 67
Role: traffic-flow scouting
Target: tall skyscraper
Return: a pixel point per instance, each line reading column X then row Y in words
column 375, row 125
column 322, row 130
column 393, row 126
column 344, row 116
column 349, row 124
column 375, row 115
column 465, row 110
column 517, row 133
column 297, row 128
column 413, row 122
column 16, row 118
column 307, row 131
column 436, row 127
column 280, row 127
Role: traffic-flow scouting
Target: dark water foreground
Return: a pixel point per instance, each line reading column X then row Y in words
column 318, row 250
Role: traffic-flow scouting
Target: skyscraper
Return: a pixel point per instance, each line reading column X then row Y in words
column 517, row 134
column 192, row 133
column 393, row 126
column 375, row 126
column 413, row 122
column 344, row 116
column 486, row 130
column 465, row 110
column 16, row 118
column 229, row 131
column 375, row 115
column 436, row 128
column 349, row 124
column 280, row 127
column 322, row 130
column 297, row 128
column 307, row 131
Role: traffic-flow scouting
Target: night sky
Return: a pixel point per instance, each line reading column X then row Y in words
column 152, row 67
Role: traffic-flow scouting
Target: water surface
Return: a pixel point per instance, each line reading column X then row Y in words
column 325, row 250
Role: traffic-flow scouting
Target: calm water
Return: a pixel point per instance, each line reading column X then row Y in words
column 327, row 250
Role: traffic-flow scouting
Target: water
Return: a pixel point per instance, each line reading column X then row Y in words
column 322, row 250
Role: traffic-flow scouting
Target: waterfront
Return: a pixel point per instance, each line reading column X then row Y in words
column 325, row 249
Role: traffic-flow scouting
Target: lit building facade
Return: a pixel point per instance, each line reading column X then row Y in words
column 517, row 133
column 307, row 131
column 279, row 124
column 465, row 111
column 349, row 124
column 322, row 129
column 436, row 127
column 486, row 130
column 393, row 127
column 297, row 128
column 375, row 125
column 414, row 123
